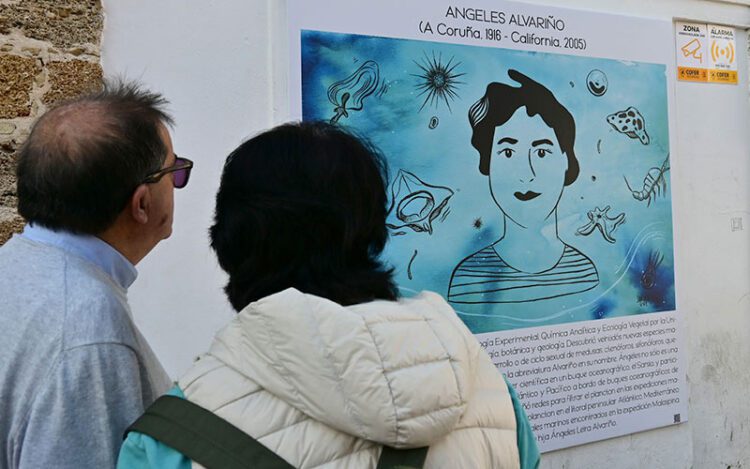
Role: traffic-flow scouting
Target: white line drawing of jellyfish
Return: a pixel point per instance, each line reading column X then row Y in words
column 348, row 94
column 415, row 203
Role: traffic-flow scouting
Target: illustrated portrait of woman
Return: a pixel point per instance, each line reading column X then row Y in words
column 525, row 141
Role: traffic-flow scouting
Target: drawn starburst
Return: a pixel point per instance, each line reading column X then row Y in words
column 438, row 80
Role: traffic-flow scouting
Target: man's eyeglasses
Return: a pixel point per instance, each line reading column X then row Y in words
column 180, row 169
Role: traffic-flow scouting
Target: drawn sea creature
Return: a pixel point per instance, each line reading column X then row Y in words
column 446, row 212
column 607, row 225
column 648, row 278
column 438, row 80
column 434, row 122
column 597, row 82
column 411, row 261
column 631, row 123
column 383, row 89
column 653, row 281
column 654, row 183
column 415, row 204
column 349, row 93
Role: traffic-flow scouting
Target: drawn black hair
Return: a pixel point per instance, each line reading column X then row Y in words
column 85, row 157
column 499, row 103
column 303, row 206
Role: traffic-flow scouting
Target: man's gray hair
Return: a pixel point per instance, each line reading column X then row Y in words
column 85, row 157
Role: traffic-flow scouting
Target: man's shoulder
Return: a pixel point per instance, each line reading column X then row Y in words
column 32, row 287
column 96, row 310
column 24, row 259
column 37, row 264
column 62, row 289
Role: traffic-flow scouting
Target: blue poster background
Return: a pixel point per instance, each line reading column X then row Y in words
column 412, row 99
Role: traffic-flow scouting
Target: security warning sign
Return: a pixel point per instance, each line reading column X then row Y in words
column 705, row 53
column 692, row 60
column 722, row 57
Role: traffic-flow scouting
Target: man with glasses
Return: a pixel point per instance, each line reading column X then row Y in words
column 95, row 178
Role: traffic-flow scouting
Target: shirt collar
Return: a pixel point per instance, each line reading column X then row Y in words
column 89, row 248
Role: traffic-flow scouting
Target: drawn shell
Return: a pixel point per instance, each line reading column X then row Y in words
column 415, row 203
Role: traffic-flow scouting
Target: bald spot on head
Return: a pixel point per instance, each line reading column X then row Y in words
column 73, row 127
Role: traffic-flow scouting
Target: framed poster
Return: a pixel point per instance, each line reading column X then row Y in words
column 530, row 185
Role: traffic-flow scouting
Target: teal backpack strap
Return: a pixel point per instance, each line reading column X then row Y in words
column 213, row 442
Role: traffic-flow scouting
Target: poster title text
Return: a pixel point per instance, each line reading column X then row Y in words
column 502, row 26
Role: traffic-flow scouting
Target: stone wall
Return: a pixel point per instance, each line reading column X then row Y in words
column 49, row 50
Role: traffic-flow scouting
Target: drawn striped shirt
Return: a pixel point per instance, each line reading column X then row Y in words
column 484, row 277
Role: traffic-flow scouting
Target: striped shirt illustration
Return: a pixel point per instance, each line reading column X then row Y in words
column 484, row 277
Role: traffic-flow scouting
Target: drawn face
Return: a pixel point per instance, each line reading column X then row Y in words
column 527, row 169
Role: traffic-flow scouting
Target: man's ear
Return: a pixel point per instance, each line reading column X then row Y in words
column 140, row 204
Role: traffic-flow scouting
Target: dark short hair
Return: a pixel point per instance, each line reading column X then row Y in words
column 84, row 157
column 501, row 101
column 303, row 206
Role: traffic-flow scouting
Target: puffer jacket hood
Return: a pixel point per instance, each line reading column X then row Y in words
column 396, row 373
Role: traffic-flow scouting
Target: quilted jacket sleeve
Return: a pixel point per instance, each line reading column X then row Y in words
column 528, row 451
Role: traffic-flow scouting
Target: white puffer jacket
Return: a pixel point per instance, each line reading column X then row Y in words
column 324, row 386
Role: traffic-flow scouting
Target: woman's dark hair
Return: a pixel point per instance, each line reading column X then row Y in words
column 303, row 206
column 501, row 101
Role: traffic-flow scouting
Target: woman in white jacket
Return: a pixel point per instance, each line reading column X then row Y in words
column 324, row 365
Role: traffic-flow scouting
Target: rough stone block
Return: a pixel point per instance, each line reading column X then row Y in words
column 70, row 79
column 7, row 128
column 64, row 24
column 10, row 222
column 16, row 82
column 8, row 196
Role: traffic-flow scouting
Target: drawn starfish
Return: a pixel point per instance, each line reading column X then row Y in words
column 599, row 219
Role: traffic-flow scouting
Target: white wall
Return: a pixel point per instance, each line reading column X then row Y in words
column 221, row 63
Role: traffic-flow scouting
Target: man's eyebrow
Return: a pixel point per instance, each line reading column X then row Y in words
column 543, row 141
column 512, row 141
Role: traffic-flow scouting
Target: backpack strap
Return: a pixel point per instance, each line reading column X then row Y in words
column 204, row 437
column 392, row 458
column 213, row 442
